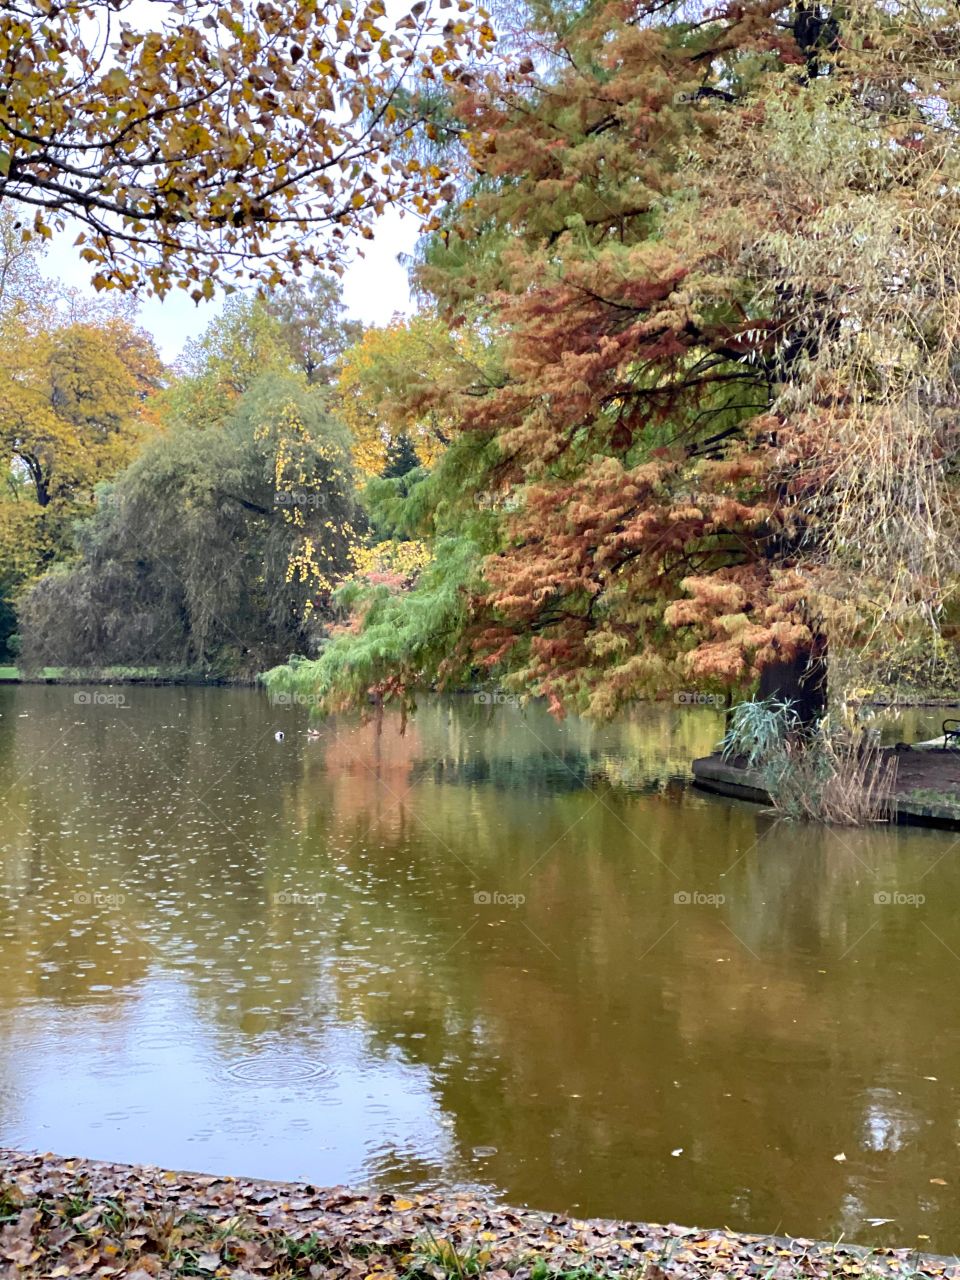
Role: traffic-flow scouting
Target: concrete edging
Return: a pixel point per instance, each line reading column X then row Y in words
column 710, row 773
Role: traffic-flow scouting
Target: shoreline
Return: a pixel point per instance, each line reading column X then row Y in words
column 923, row 806
column 10, row 674
column 105, row 676
column 66, row 1217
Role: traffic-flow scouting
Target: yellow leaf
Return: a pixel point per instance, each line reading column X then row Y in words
column 116, row 81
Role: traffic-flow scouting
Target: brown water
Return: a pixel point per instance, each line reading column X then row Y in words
column 226, row 953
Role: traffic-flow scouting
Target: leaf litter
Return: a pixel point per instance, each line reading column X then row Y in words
column 87, row 1218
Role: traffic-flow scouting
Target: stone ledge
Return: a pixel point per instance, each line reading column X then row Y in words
column 710, row 773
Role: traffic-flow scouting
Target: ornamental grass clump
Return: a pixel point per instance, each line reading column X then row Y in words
column 815, row 772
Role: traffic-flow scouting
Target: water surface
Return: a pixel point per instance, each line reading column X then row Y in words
column 497, row 952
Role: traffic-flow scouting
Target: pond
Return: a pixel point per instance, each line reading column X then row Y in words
column 497, row 952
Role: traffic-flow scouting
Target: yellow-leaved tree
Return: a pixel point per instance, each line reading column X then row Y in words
column 199, row 141
column 75, row 401
column 399, row 382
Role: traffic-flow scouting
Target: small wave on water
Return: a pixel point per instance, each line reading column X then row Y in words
column 278, row 1068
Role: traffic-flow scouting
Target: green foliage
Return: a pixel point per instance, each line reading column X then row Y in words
column 9, row 637
column 299, row 327
column 217, row 368
column 187, row 560
column 921, row 666
column 400, row 637
column 758, row 730
column 794, row 761
column 542, row 1270
column 309, row 1249
column 401, row 640
column 313, row 325
column 228, row 531
column 401, row 458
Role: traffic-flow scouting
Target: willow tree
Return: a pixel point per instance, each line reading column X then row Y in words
column 212, row 550
column 847, row 194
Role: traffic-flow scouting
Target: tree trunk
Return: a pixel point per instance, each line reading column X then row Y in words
column 801, row 680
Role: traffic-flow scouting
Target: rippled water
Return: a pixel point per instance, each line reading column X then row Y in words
column 496, row 952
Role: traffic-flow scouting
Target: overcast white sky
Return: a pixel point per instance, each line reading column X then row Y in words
column 374, row 286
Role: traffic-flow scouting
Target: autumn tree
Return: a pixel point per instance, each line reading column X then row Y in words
column 212, row 550
column 611, row 377
column 850, row 239
column 73, row 406
column 70, row 401
column 76, row 401
column 314, row 324
column 724, row 287
column 400, row 383
column 765, row 413
column 200, row 141
column 216, row 369
column 302, row 327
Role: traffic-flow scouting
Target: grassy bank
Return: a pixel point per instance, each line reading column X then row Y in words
column 66, row 1218
column 118, row 675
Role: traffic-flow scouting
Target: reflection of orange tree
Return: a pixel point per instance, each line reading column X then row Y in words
column 367, row 774
column 463, row 742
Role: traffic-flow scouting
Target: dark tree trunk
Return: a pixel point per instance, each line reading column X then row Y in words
column 801, row 680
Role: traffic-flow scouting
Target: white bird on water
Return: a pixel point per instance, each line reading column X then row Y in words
column 279, row 735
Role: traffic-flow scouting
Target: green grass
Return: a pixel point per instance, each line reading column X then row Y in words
column 105, row 675
column 310, row 1249
column 541, row 1270
column 114, row 1217
column 456, row 1264
column 77, row 1203
column 46, row 673
column 11, row 1202
column 930, row 796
